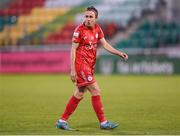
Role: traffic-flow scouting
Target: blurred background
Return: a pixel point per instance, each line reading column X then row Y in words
column 35, row 35
column 35, row 43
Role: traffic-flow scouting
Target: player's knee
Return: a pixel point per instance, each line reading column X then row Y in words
column 95, row 92
column 78, row 95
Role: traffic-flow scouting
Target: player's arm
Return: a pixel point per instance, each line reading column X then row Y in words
column 73, row 58
column 112, row 50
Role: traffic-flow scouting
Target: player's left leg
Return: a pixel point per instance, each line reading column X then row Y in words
column 98, row 107
column 96, row 101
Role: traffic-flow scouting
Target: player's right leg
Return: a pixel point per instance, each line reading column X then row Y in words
column 70, row 108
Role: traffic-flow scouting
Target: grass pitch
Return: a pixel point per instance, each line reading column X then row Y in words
column 31, row 104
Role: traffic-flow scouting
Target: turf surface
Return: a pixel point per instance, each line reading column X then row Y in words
column 31, row 104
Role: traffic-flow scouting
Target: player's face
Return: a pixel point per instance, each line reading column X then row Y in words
column 89, row 18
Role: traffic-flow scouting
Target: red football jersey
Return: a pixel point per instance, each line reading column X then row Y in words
column 87, row 39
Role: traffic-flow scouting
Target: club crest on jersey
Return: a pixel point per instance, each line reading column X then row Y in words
column 96, row 35
column 76, row 34
column 89, row 78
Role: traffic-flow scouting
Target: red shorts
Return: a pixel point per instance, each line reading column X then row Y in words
column 85, row 75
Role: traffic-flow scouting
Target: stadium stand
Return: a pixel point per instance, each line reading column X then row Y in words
column 41, row 36
column 62, row 36
column 10, row 31
column 152, row 35
column 51, row 22
column 19, row 7
column 122, row 11
column 4, row 4
column 62, row 3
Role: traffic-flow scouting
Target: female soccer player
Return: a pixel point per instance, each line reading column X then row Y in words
column 83, row 59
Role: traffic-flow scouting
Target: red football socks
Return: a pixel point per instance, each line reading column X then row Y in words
column 70, row 107
column 98, row 107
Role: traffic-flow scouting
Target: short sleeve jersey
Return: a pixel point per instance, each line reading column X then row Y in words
column 87, row 39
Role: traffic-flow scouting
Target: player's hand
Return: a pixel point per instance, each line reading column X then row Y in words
column 73, row 76
column 124, row 56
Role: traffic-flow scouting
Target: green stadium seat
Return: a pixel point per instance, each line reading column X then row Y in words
column 152, row 35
